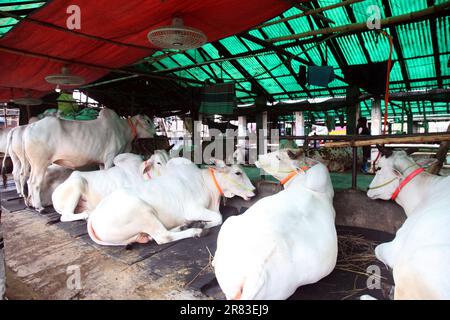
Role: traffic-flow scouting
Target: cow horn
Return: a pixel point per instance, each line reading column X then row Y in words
column 295, row 155
column 384, row 151
column 170, row 147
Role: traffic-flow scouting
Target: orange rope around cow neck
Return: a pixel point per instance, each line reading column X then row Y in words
column 213, row 176
column 292, row 174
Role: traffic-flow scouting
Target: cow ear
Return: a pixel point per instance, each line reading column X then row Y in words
column 384, row 151
column 218, row 163
column 146, row 165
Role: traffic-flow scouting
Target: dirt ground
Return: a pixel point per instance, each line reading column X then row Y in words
column 40, row 258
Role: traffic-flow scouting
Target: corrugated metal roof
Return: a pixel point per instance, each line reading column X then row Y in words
column 18, row 7
column 414, row 41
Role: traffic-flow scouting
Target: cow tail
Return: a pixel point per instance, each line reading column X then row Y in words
column 8, row 145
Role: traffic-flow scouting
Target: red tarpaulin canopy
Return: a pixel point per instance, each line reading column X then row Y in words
column 123, row 21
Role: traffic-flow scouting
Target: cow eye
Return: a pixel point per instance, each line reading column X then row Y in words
column 377, row 169
column 238, row 173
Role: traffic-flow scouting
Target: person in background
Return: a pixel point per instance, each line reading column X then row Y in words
column 363, row 129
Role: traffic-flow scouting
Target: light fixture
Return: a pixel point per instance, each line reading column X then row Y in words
column 57, row 89
column 27, row 101
column 65, row 78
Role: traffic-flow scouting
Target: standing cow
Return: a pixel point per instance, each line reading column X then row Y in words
column 14, row 148
column 283, row 241
column 74, row 144
column 420, row 253
column 164, row 208
column 82, row 191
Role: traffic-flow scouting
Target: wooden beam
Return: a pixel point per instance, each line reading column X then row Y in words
column 332, row 44
column 351, row 16
column 305, row 8
column 435, row 11
column 397, row 47
column 310, row 12
column 373, row 140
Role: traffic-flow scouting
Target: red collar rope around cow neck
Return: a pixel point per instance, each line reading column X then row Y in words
column 405, row 182
column 292, row 174
column 213, row 176
column 133, row 128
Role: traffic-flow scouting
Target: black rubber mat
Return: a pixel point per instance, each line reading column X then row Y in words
column 13, row 205
column 76, row 229
column 131, row 254
column 8, row 195
column 193, row 254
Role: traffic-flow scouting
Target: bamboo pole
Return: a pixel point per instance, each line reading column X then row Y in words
column 441, row 156
column 388, row 140
column 356, row 27
column 310, row 12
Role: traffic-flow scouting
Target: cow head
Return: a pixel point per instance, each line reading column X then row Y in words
column 389, row 172
column 232, row 180
column 238, row 155
column 145, row 128
column 282, row 162
column 154, row 166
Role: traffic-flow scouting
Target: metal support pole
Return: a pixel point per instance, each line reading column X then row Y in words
column 354, row 168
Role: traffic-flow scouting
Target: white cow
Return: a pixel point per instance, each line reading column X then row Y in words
column 283, row 241
column 164, row 208
column 82, row 191
column 420, row 253
column 14, row 148
column 74, row 144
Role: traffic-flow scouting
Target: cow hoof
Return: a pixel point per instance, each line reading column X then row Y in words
column 193, row 224
column 201, row 233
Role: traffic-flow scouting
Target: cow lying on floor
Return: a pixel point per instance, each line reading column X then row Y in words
column 82, row 191
column 164, row 208
column 420, row 253
column 283, row 241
